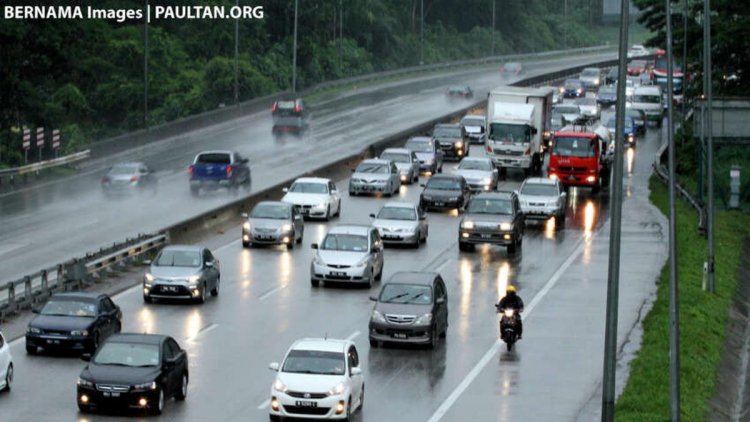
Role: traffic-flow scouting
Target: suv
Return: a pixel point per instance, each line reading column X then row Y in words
column 351, row 253
column 412, row 308
column 288, row 107
column 452, row 140
column 543, row 198
column 492, row 217
column 318, row 378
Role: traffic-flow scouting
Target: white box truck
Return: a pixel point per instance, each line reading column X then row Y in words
column 517, row 118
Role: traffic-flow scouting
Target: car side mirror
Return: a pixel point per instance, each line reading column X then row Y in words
column 356, row 371
column 372, row 215
column 86, row 357
column 285, row 190
column 422, row 185
column 36, row 310
column 274, row 366
column 314, row 246
column 440, row 300
column 374, row 298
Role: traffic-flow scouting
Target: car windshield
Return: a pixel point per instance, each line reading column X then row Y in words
column 314, row 362
column 586, row 102
column 419, row 146
column 590, row 72
column 273, row 211
column 574, row 147
column 509, row 133
column 475, row 165
column 472, row 122
column 124, row 169
column 646, row 98
column 571, row 109
column 285, row 104
column 377, row 168
column 572, row 84
column 447, row 132
column 443, row 184
column 539, row 189
column 177, row 258
column 397, row 213
column 396, row 157
column 611, row 123
column 128, row 354
column 345, row 242
column 416, row 294
column 76, row 308
column 309, row 187
column 213, row 158
column 608, row 90
column 490, row 206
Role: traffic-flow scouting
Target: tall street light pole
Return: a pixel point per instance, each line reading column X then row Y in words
column 341, row 34
column 674, row 304
column 421, row 32
column 565, row 24
column 708, row 81
column 685, row 12
column 613, row 270
column 237, row 58
column 145, row 67
column 492, row 48
column 294, row 50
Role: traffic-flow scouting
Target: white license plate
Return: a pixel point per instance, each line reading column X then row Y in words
column 53, row 341
column 265, row 237
column 108, row 394
column 439, row 204
column 399, row 335
column 486, row 236
column 305, row 403
column 338, row 273
column 169, row 289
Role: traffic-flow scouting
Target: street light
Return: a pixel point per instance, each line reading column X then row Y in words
column 294, row 50
column 492, row 49
column 421, row 33
column 236, row 57
column 145, row 67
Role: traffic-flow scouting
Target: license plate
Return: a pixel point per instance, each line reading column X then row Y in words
column 169, row 289
column 439, row 204
column 53, row 341
column 399, row 335
column 305, row 403
column 486, row 236
column 265, row 237
column 108, row 394
column 339, row 273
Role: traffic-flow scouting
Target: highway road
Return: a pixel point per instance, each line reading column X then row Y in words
column 266, row 303
column 43, row 225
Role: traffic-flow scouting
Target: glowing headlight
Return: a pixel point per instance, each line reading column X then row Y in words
column 149, row 277
column 505, row 226
column 596, row 81
column 426, row 198
column 321, row 205
column 509, row 313
column 84, row 382
column 79, row 333
column 459, row 144
column 424, row 319
column 279, row 386
column 145, row 386
column 579, row 90
column 337, row 389
column 246, row 226
column 377, row 316
column 467, row 225
column 34, row 330
column 286, row 228
column 487, row 180
column 453, row 198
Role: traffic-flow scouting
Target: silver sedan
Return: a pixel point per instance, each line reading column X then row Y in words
column 182, row 272
column 401, row 223
column 273, row 223
column 406, row 162
column 479, row 172
column 542, row 198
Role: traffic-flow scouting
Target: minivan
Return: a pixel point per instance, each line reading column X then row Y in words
column 412, row 307
column 648, row 99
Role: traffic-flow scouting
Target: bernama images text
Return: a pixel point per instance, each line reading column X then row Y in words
column 121, row 15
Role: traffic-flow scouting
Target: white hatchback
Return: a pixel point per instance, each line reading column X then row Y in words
column 318, row 379
column 6, row 364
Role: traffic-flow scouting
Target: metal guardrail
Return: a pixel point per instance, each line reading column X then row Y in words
column 663, row 174
column 12, row 173
column 74, row 274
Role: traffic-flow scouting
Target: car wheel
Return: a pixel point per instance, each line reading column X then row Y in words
column 314, row 283
column 380, row 274
column 424, row 239
column 465, row 247
column 433, row 337
column 274, row 418
column 560, row 221
column 389, row 192
column 290, row 245
column 417, row 240
column 245, row 244
column 8, row 377
column 215, row 290
column 374, row 343
column 202, row 298
column 338, row 210
column 83, row 408
column 512, row 248
column 416, row 177
column 182, row 392
column 371, row 279
column 362, row 398
column 440, row 169
column 147, row 299
column 159, row 407
column 352, row 193
column 31, row 350
column 328, row 213
column 348, row 417
column 118, row 327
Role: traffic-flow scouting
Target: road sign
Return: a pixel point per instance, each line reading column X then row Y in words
column 40, row 137
column 26, row 138
column 56, row 139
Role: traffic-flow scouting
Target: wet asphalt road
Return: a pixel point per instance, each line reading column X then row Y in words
column 266, row 303
column 41, row 226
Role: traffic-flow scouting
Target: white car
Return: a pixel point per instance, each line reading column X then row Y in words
column 316, row 197
column 401, row 223
column 570, row 112
column 6, row 364
column 591, row 77
column 406, row 162
column 475, row 127
column 590, row 109
column 542, row 198
column 649, row 99
column 480, row 173
column 348, row 254
column 637, row 50
column 318, row 379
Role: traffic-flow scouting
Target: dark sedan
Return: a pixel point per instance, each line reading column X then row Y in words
column 444, row 191
column 572, row 88
column 607, row 96
column 291, row 125
column 494, row 218
column 135, row 371
column 463, row 91
column 76, row 322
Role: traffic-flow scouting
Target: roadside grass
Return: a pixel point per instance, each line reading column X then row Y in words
column 703, row 319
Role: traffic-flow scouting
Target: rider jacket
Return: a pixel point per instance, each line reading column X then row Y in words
column 511, row 300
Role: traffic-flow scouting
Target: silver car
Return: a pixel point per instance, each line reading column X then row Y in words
column 350, row 254
column 475, row 128
column 479, row 172
column 406, row 162
column 570, row 112
column 401, row 223
column 273, row 223
column 126, row 178
column 590, row 109
column 591, row 77
column 375, row 176
column 542, row 198
column 428, row 152
column 182, row 272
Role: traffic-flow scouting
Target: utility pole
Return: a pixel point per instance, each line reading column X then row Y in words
column 145, row 66
column 421, row 33
column 565, row 23
column 685, row 12
column 708, row 80
column 237, row 58
column 294, row 50
column 613, row 270
column 492, row 48
column 341, row 34
column 674, row 304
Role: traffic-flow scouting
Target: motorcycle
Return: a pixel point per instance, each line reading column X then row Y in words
column 509, row 326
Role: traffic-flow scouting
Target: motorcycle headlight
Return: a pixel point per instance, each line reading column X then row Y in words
column 79, row 333
column 286, row 228
column 505, row 226
column 149, row 277
column 377, row 316
column 84, row 382
column 424, row 319
column 246, row 226
column 317, row 260
column 337, row 389
column 145, row 386
column 33, row 330
column 279, row 386
column 467, row 225
column 509, row 313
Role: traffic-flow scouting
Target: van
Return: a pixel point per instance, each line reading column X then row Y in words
column 648, row 99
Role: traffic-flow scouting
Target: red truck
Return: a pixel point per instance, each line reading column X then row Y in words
column 579, row 156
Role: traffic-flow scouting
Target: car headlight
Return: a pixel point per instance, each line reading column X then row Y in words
column 79, row 333
column 145, row 386
column 579, row 90
column 453, row 198
column 467, row 225
column 279, row 386
column 246, row 226
column 193, row 279
column 84, row 382
column 459, row 144
column 424, row 319
column 487, row 181
column 553, row 203
column 317, row 260
column 377, row 316
column 426, row 198
column 149, row 277
column 33, row 330
column 337, row 389
column 318, row 206
column 596, row 81
column 286, row 228
column 505, row 226
column 429, row 160
column 362, row 262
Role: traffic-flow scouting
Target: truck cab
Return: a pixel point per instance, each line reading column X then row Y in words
column 578, row 157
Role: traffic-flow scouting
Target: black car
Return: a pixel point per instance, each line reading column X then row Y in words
column 611, row 76
column 77, row 322
column 411, row 308
column 492, row 217
column 444, row 191
column 288, row 107
column 452, row 140
column 133, row 371
column 292, row 125
column 460, row 91
column 573, row 88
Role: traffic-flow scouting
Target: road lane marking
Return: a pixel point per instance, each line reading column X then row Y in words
column 489, row 355
column 203, row 330
column 272, row 291
column 441, row 266
column 265, row 404
column 353, row 335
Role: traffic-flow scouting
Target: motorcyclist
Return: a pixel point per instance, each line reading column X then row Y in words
column 511, row 300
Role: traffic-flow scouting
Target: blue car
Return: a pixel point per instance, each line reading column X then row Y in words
column 607, row 96
column 573, row 88
column 628, row 130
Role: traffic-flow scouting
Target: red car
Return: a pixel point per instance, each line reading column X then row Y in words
column 636, row 67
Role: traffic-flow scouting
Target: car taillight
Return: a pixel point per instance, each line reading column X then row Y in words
column 190, row 170
column 297, row 108
column 489, row 148
column 134, row 178
column 273, row 107
column 229, row 170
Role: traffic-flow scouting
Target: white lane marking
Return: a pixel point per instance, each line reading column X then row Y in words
column 264, row 404
column 441, row 266
column 456, row 393
column 353, row 335
column 272, row 291
column 203, row 330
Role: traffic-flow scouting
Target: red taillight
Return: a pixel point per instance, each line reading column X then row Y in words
column 297, row 108
column 489, row 148
column 190, row 170
column 273, row 107
column 229, row 170
column 105, row 179
column 134, row 179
